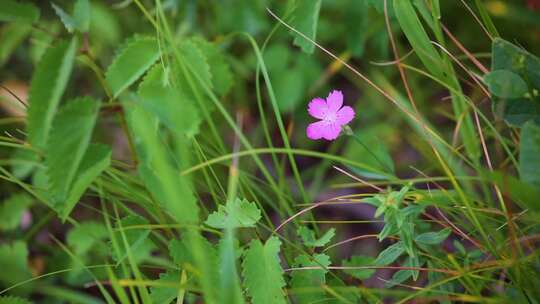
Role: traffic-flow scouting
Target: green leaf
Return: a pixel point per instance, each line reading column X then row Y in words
column 14, row 265
column 11, row 36
column 309, row 239
column 263, row 276
column 156, row 169
column 12, row 209
column 166, row 288
column 433, row 238
column 139, row 244
column 529, row 155
column 81, row 15
column 230, row 290
column 96, row 159
column 306, row 16
column 359, row 261
column 505, row 84
column 11, row 10
column 48, row 84
column 86, row 235
column 222, row 77
column 132, row 60
column 169, row 104
column 521, row 192
column 236, row 213
column 13, row 300
column 67, row 144
column 66, row 18
column 310, row 282
column 390, row 254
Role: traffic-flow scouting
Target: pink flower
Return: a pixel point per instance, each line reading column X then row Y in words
column 332, row 116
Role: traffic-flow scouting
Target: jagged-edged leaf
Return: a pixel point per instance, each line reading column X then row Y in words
column 263, row 275
column 529, row 155
column 308, row 283
column 132, row 60
column 11, row 10
column 169, row 104
column 166, row 287
column 96, row 159
column 390, row 254
column 222, row 77
column 67, row 145
column 136, row 235
column 306, row 17
column 12, row 209
column 48, row 84
column 236, row 213
column 67, row 19
column 433, row 238
column 14, row 265
column 11, row 36
column 81, row 15
column 309, row 239
column 157, row 171
column 359, row 261
column 194, row 57
column 85, row 236
column 13, row 300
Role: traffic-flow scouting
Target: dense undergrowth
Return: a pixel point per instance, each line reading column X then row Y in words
column 156, row 152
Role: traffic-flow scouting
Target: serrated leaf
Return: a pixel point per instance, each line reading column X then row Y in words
column 309, row 239
column 359, row 261
column 433, row 238
column 67, row 20
column 156, row 169
column 195, row 58
column 236, row 213
column 96, row 159
column 133, row 59
column 170, row 105
column 85, row 236
column 306, row 17
column 263, row 276
column 11, row 36
column 222, row 77
column 67, row 144
column 390, row 254
column 11, row 10
column 164, row 290
column 12, row 209
column 13, row 300
column 13, row 262
column 529, row 155
column 506, row 84
column 48, row 84
column 310, row 282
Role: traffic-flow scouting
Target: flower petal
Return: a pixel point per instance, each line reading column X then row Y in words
column 331, row 131
column 345, row 115
column 318, row 108
column 334, row 100
column 316, row 130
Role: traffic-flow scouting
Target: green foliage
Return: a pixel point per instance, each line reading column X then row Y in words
column 236, row 213
column 222, row 78
column 309, row 282
column 85, row 236
column 306, row 16
column 390, row 254
column 518, row 83
column 11, row 36
column 433, row 238
column 309, row 239
column 48, row 84
column 14, row 265
column 165, row 291
column 138, row 243
column 263, row 276
column 66, row 147
column 12, row 209
column 132, row 59
column 11, row 10
column 359, row 261
column 529, row 155
column 80, row 20
column 13, row 300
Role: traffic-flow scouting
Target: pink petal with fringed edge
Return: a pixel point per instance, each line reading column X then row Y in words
column 318, row 108
column 334, row 100
column 344, row 115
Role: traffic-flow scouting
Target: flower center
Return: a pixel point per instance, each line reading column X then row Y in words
column 330, row 117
